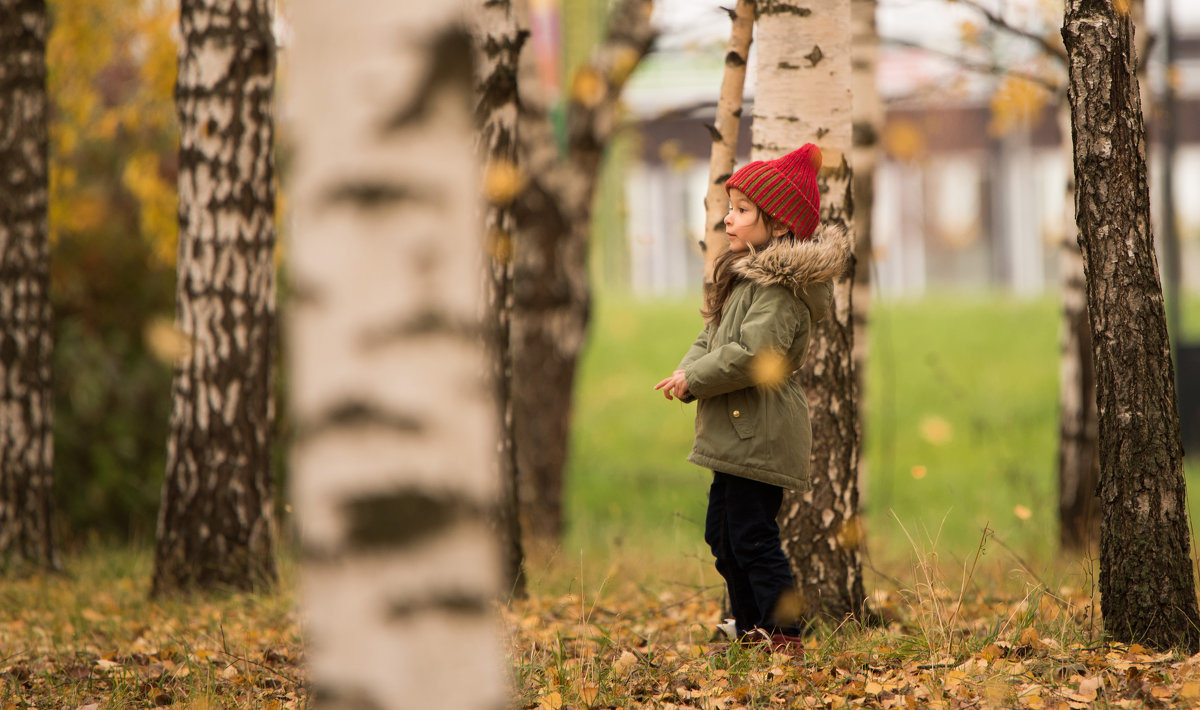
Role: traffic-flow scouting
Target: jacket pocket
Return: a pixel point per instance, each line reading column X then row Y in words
column 741, row 413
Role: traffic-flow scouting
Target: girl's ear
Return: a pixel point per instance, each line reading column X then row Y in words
column 779, row 230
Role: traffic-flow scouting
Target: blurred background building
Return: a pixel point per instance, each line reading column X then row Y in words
column 971, row 192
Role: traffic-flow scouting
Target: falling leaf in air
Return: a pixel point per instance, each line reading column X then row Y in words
column 769, row 368
column 502, row 182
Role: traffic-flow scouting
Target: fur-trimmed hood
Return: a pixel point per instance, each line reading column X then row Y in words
column 799, row 265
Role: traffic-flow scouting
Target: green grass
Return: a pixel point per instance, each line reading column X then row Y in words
column 960, row 429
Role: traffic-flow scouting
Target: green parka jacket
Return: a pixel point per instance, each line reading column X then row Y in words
column 751, row 413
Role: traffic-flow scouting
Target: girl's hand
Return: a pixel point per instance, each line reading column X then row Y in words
column 676, row 385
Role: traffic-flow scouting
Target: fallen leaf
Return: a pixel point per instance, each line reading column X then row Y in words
column 623, row 665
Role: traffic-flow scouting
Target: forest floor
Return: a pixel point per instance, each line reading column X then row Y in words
column 985, row 635
column 91, row 638
column 635, row 636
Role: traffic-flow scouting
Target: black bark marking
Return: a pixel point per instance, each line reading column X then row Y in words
column 360, row 414
column 499, row 88
column 451, row 602
column 370, row 195
column 864, row 134
column 424, row 323
column 775, row 8
column 512, row 44
column 451, row 65
column 815, row 56
column 714, row 133
column 738, row 112
column 388, row 521
column 733, row 59
column 333, row 698
column 788, row 65
column 822, row 132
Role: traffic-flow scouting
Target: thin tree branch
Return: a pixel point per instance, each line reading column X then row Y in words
column 980, row 66
column 999, row 22
column 594, row 90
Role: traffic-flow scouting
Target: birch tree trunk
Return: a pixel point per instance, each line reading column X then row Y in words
column 394, row 473
column 725, row 129
column 1147, row 590
column 551, row 295
column 216, row 521
column 26, row 345
column 500, row 34
column 1078, row 452
column 803, row 95
column 868, row 126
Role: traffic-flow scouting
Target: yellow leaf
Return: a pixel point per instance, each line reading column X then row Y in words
column 168, row 344
column 625, row 61
column 551, row 701
column 499, row 245
column 1022, row 512
column 872, row 688
column 852, row 532
column 769, row 369
column 623, row 665
column 502, row 182
column 904, row 140
column 91, row 615
column 588, row 694
column 970, row 33
column 991, row 653
column 936, row 430
column 588, row 88
column 1190, row 690
column 1017, row 103
column 1029, row 636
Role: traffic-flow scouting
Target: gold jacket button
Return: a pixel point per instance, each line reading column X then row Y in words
column 736, row 413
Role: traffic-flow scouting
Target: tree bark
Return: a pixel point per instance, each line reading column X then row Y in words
column 803, row 95
column 725, row 129
column 551, row 296
column 868, row 126
column 216, row 521
column 1147, row 590
column 394, row 475
column 500, row 35
column 26, row 340
column 1078, row 452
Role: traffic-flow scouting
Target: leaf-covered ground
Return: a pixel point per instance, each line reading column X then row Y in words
column 941, row 645
column 968, row 638
column 91, row 639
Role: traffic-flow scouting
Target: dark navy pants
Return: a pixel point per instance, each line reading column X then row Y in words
column 740, row 529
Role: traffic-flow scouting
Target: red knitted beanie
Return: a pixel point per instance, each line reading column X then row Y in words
column 785, row 188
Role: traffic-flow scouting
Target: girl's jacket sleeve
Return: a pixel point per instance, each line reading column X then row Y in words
column 770, row 324
column 694, row 353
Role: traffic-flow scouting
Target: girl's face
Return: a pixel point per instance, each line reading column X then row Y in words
column 744, row 225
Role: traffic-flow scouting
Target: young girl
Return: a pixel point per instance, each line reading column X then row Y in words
column 752, row 424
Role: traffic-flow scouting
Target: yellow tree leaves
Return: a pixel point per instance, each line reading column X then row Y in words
column 1016, row 103
column 111, row 72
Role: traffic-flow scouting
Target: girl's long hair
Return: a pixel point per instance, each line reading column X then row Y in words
column 725, row 278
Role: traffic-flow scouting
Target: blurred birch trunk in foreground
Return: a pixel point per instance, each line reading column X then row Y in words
column 394, row 474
